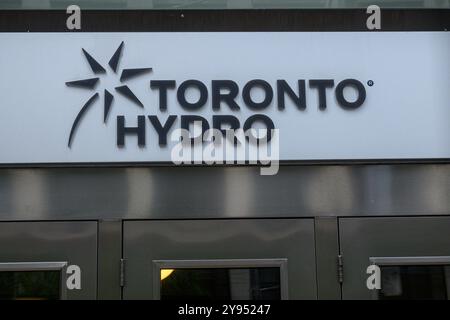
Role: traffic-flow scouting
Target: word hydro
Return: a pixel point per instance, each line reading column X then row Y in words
column 226, row 92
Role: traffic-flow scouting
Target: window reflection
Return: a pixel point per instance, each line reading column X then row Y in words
column 30, row 285
column 221, row 284
column 415, row 282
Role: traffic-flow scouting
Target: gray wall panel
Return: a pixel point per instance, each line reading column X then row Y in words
column 327, row 250
column 223, row 192
column 109, row 255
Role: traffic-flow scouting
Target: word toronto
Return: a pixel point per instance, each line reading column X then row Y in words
column 228, row 93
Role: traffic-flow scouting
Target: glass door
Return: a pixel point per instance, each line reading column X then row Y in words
column 411, row 256
column 248, row 259
column 34, row 256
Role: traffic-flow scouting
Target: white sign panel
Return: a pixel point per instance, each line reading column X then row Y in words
column 117, row 97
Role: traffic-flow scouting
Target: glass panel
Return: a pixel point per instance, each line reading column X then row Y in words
column 218, row 4
column 415, row 282
column 30, row 285
column 221, row 284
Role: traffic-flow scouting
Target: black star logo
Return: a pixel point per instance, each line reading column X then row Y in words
column 108, row 98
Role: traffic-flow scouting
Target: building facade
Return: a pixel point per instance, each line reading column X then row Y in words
column 92, row 205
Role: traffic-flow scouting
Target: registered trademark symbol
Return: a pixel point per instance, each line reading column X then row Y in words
column 370, row 83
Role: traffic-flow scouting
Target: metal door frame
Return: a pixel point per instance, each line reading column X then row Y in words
column 416, row 260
